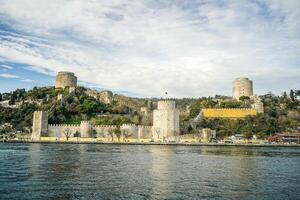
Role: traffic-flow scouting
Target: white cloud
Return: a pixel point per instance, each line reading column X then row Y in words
column 5, row 75
column 188, row 48
column 6, row 67
column 27, row 80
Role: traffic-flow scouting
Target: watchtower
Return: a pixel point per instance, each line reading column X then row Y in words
column 165, row 120
column 242, row 87
column 39, row 125
column 65, row 79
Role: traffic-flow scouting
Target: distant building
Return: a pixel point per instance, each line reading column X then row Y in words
column 242, row 87
column 228, row 112
column 258, row 104
column 65, row 79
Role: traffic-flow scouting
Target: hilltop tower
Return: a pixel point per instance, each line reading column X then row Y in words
column 65, row 79
column 165, row 120
column 39, row 125
column 242, row 87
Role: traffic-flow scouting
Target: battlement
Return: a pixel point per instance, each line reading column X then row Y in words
column 144, row 127
column 63, row 125
column 128, row 126
column 105, row 126
column 241, row 79
column 65, row 73
column 166, row 105
column 85, row 122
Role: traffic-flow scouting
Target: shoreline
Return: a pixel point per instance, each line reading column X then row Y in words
column 158, row 143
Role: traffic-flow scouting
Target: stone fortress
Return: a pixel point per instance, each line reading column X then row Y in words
column 165, row 119
column 166, row 123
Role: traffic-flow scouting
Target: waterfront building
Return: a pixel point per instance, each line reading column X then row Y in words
column 228, row 112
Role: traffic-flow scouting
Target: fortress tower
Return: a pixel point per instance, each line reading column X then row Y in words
column 39, row 125
column 85, row 129
column 165, row 120
column 242, row 87
column 65, row 79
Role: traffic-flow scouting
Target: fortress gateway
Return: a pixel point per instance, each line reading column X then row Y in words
column 165, row 127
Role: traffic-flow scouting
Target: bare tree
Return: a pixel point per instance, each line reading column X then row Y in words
column 118, row 133
column 111, row 133
column 126, row 134
column 67, row 133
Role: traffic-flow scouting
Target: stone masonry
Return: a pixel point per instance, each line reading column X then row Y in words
column 40, row 125
column 165, row 120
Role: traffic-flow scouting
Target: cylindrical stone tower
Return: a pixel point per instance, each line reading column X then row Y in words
column 165, row 120
column 65, row 79
column 242, row 87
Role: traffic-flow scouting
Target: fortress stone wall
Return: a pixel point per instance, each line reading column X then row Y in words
column 242, row 87
column 86, row 129
column 145, row 132
column 58, row 130
column 65, row 79
column 165, row 120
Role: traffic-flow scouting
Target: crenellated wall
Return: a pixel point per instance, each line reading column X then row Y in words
column 105, row 131
column 145, row 132
column 129, row 130
column 58, row 130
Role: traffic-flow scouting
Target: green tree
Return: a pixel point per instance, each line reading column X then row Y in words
column 244, row 98
column 118, row 133
column 12, row 100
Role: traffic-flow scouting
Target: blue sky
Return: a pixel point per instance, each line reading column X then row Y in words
column 146, row 47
